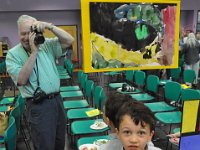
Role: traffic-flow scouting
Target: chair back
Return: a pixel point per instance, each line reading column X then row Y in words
column 173, row 91
column 11, row 134
column 140, row 78
column 99, row 97
column 189, row 76
column 129, row 74
column 190, row 94
column 70, row 69
column 80, row 73
column 21, row 104
column 89, row 91
column 175, row 73
column 67, row 62
column 15, row 112
column 152, row 83
column 83, row 81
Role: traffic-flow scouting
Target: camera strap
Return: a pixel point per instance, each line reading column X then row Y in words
column 38, row 82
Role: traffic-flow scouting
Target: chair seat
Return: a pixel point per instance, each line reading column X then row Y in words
column 142, row 97
column 7, row 100
column 69, row 88
column 75, row 104
column 91, row 139
column 69, row 94
column 78, row 113
column 3, row 108
column 129, row 92
column 169, row 117
column 64, row 77
column 175, row 130
column 116, row 85
column 159, row 106
column 83, row 127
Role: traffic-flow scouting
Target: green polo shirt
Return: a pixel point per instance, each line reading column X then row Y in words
column 45, row 69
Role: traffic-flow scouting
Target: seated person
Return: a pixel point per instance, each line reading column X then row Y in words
column 175, row 138
column 135, row 125
column 112, row 105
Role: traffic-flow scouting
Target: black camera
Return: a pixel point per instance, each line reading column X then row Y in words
column 127, row 88
column 39, row 38
column 38, row 96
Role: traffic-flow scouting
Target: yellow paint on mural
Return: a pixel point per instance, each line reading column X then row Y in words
column 111, row 50
column 190, row 114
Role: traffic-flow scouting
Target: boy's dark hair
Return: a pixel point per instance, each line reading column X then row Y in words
column 138, row 112
column 114, row 101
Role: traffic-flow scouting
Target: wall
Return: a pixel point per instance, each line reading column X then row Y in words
column 191, row 5
column 59, row 12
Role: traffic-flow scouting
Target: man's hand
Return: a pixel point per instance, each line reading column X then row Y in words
column 32, row 42
column 41, row 26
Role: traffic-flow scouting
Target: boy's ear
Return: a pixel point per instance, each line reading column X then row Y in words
column 151, row 136
column 107, row 120
column 117, row 132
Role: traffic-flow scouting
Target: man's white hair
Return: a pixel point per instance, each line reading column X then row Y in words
column 25, row 18
column 191, row 40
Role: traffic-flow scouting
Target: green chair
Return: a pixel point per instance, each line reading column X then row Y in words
column 172, row 94
column 129, row 74
column 99, row 99
column 138, row 84
column 80, row 113
column 174, row 75
column 189, row 76
column 5, row 103
column 91, row 139
column 10, row 135
column 81, row 128
column 175, row 117
column 112, row 74
column 78, row 103
column 72, row 87
column 15, row 112
column 152, row 84
column 6, row 100
column 76, row 93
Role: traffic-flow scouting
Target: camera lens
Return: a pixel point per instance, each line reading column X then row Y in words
column 39, row 38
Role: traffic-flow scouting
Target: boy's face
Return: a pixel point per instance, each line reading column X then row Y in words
column 132, row 136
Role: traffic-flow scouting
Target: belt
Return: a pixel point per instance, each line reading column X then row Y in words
column 47, row 96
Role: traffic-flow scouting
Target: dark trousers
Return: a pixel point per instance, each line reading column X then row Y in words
column 47, row 124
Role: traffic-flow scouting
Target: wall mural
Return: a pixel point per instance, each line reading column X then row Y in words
column 130, row 34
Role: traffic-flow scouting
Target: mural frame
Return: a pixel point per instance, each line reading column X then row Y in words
column 71, row 29
column 86, row 36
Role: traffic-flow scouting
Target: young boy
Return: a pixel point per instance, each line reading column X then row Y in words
column 112, row 105
column 135, row 125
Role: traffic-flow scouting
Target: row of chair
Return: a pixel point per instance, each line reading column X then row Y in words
column 167, row 108
column 15, row 117
column 78, row 121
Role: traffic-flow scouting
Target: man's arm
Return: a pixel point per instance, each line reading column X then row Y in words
column 65, row 38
